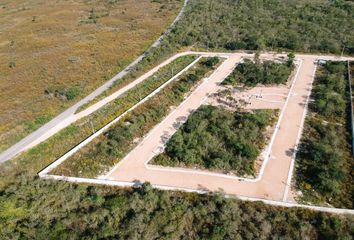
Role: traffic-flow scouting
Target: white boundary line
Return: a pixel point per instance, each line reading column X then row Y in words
column 269, row 150
column 103, row 129
column 44, row 173
column 266, row 152
column 292, row 164
column 270, row 94
column 158, row 125
column 208, row 173
column 269, row 101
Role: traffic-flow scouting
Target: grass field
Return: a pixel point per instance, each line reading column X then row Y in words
column 54, row 52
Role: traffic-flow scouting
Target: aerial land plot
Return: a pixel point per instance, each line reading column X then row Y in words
column 324, row 164
column 111, row 147
column 87, row 174
column 230, row 141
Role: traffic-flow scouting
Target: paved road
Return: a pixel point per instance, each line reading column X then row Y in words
column 67, row 116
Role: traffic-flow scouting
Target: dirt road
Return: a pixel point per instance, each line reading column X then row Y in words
column 271, row 185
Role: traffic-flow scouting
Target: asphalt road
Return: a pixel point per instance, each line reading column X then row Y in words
column 32, row 138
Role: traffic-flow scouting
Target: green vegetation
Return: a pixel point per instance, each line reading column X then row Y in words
column 110, row 148
column 31, row 208
column 58, row 210
column 211, row 61
column 162, row 75
column 56, row 146
column 301, row 26
column 251, row 73
column 216, row 139
column 143, row 89
column 324, row 162
column 63, row 93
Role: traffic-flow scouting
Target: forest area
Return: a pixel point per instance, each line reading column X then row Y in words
column 301, row 26
column 324, row 160
column 31, row 208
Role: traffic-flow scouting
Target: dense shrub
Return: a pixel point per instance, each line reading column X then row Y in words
column 58, row 210
column 324, row 163
column 212, row 61
column 251, row 73
column 217, row 139
column 305, row 26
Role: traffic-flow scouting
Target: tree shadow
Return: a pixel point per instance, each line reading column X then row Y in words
column 290, row 152
column 179, row 122
column 165, row 137
column 202, row 188
column 137, row 183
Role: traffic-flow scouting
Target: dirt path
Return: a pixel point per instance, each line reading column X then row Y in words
column 275, row 175
column 271, row 185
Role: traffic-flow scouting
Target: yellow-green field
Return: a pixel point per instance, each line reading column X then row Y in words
column 53, row 52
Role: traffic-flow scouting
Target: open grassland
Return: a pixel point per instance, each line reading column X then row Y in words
column 52, row 53
column 219, row 140
column 56, row 146
column 108, row 149
column 324, row 171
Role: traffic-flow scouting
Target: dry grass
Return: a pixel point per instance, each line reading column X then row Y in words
column 54, row 52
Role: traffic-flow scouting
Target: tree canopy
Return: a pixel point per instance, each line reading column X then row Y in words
column 249, row 73
column 217, row 139
column 305, row 26
column 324, row 161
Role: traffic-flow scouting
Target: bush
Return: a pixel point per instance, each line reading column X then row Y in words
column 214, row 138
column 211, row 62
column 324, row 161
column 305, row 26
column 72, row 93
column 251, row 73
